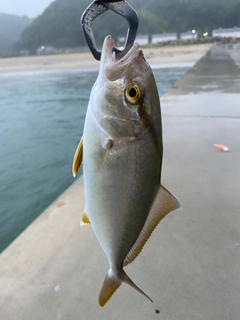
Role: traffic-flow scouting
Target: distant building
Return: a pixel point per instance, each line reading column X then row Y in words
column 143, row 40
column 226, row 33
column 46, row 50
column 189, row 35
column 164, row 38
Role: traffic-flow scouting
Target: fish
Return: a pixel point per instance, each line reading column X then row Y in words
column 121, row 151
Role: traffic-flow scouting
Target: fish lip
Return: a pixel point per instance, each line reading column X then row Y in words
column 112, row 68
column 108, row 46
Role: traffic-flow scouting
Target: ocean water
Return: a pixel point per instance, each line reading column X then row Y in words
column 41, row 121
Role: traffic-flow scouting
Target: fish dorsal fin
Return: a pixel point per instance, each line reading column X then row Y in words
column 162, row 205
column 77, row 160
column 84, row 219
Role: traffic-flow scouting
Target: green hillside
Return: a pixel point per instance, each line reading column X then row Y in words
column 59, row 24
column 11, row 27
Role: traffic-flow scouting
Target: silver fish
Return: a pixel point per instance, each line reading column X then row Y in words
column 121, row 151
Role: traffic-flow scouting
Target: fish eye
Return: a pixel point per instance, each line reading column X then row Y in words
column 133, row 93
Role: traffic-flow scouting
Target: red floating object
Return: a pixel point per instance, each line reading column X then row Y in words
column 221, row 147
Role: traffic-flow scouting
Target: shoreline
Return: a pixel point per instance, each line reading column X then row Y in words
column 156, row 57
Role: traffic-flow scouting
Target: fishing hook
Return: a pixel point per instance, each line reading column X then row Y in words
column 96, row 8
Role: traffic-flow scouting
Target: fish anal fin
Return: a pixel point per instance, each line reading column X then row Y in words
column 78, row 157
column 163, row 203
column 84, row 219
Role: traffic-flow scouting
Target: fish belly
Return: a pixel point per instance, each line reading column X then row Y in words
column 120, row 185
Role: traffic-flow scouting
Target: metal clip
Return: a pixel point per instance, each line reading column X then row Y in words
column 98, row 7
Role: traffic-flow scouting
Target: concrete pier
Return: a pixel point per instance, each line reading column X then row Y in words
column 190, row 266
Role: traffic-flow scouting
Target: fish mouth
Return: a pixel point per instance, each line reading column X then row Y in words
column 112, row 68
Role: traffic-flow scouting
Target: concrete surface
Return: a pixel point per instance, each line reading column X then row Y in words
column 234, row 52
column 190, row 266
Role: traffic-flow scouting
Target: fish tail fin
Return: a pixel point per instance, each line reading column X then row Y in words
column 112, row 283
column 126, row 279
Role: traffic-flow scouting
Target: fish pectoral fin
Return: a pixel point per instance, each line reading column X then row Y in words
column 84, row 219
column 112, row 282
column 163, row 203
column 109, row 145
column 77, row 160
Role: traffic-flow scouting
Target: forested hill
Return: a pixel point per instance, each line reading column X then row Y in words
column 11, row 27
column 59, row 24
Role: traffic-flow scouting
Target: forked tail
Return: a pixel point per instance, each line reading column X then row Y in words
column 112, row 282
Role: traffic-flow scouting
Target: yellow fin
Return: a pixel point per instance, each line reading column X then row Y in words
column 162, row 205
column 110, row 285
column 112, row 282
column 77, row 160
column 84, row 219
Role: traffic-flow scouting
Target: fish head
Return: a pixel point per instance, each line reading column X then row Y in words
column 125, row 91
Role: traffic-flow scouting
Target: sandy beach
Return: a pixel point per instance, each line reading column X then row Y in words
column 83, row 60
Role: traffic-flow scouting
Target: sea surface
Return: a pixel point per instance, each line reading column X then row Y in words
column 41, row 122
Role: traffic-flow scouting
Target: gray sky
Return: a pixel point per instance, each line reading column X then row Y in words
column 30, row 8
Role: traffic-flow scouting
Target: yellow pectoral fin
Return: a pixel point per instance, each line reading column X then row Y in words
column 84, row 219
column 77, row 160
column 163, row 204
